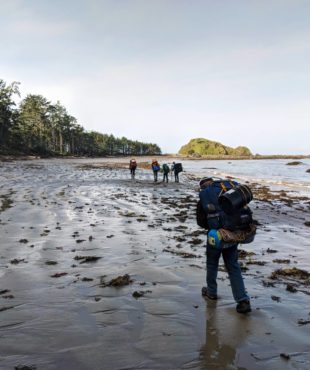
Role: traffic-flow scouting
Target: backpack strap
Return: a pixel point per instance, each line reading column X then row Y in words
column 224, row 189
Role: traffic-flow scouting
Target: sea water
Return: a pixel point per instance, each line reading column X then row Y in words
column 275, row 173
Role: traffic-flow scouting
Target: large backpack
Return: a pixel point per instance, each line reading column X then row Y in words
column 210, row 214
column 166, row 168
column 133, row 164
column 178, row 167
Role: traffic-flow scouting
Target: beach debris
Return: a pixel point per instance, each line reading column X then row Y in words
column 85, row 259
column 6, row 202
column 307, row 223
column 286, row 356
column 128, row 214
column 181, row 253
column 254, row 262
column 23, row 241
column 51, row 263
column 138, row 294
column 308, row 170
column 90, row 238
column 292, row 273
column 270, row 250
column 291, row 288
column 294, row 163
column 180, row 228
column 110, row 236
column 275, row 298
column 281, row 261
column 119, row 281
column 16, row 261
column 80, row 240
column 5, row 308
column 59, row 274
column 196, row 241
column 25, row 367
column 4, row 291
column 242, row 254
column 8, row 296
column 303, row 322
column 179, row 239
column 87, row 279
column 268, row 284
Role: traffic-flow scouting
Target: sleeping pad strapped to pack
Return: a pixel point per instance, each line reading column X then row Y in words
column 210, row 213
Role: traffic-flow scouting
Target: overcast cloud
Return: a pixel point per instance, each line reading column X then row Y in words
column 166, row 71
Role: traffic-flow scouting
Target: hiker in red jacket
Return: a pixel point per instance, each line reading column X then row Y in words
column 132, row 167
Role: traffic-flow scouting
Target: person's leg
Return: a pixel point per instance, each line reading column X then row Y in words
column 213, row 256
column 177, row 177
column 230, row 256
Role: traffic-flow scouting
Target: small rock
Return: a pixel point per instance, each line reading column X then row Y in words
column 285, row 356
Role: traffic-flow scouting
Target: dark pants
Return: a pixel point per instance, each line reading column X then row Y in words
column 165, row 177
column 230, row 256
column 155, row 175
column 133, row 172
column 176, row 176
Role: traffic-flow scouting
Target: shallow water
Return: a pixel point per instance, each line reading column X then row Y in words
column 273, row 172
column 73, row 322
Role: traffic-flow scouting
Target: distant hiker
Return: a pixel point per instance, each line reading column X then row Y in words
column 133, row 167
column 222, row 210
column 155, row 168
column 166, row 171
column 176, row 168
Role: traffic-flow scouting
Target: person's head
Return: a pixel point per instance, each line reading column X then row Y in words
column 205, row 182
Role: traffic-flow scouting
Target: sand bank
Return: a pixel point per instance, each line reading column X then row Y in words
column 69, row 227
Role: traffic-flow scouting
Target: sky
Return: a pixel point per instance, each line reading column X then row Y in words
column 167, row 71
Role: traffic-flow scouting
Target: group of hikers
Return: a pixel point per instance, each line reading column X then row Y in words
column 175, row 168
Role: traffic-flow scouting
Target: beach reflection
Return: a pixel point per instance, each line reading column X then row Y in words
column 224, row 334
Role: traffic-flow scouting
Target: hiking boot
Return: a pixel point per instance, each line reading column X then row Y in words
column 205, row 293
column 244, row 307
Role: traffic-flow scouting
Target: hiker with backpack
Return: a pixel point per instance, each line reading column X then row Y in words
column 132, row 167
column 222, row 210
column 155, row 168
column 166, row 171
column 176, row 168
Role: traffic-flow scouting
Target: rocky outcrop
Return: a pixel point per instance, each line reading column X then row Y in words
column 200, row 147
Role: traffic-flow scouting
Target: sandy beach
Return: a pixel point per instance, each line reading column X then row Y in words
column 99, row 271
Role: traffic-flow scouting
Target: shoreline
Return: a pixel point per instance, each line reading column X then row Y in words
column 8, row 158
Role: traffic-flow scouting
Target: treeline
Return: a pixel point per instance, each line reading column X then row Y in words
column 36, row 126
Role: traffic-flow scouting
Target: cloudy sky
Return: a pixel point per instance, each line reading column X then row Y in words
column 166, row 71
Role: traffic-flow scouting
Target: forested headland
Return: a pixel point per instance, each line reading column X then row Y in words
column 38, row 127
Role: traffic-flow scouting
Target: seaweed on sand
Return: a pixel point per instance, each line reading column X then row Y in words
column 7, row 202
column 85, row 259
column 119, row 281
column 294, row 273
column 182, row 254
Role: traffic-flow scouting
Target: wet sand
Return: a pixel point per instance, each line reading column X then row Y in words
column 70, row 227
